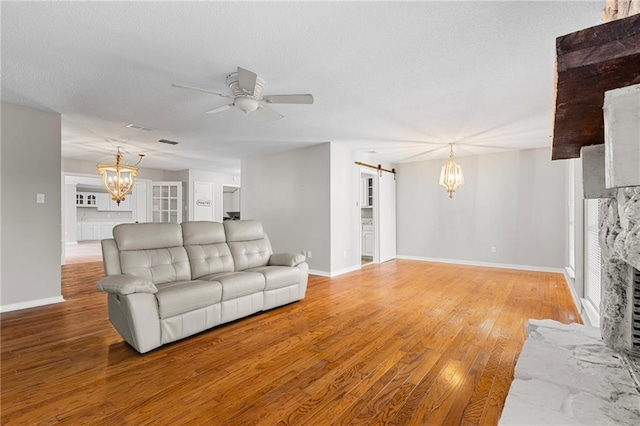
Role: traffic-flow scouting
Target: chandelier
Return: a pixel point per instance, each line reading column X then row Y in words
column 118, row 178
column 451, row 175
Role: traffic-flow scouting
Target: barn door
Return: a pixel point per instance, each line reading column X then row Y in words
column 386, row 216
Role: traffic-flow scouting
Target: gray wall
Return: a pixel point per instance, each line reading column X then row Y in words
column 30, row 233
column 290, row 193
column 514, row 201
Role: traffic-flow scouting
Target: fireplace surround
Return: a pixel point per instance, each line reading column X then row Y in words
column 620, row 244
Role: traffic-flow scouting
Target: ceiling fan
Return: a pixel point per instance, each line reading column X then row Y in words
column 246, row 92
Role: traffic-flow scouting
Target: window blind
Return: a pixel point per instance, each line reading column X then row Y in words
column 593, row 258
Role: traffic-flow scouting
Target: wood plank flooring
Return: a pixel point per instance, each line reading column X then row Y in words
column 402, row 343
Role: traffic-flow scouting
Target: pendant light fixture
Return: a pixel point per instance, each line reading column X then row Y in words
column 451, row 174
column 118, row 178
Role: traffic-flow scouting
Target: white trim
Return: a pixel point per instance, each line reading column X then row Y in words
column 570, row 272
column 592, row 315
column 320, row 273
column 574, row 295
column 31, row 304
column 335, row 273
column 484, row 264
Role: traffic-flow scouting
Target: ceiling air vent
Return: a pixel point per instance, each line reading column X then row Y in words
column 138, row 127
column 168, row 142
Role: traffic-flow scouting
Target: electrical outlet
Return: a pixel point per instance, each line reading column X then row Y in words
column 493, row 250
column 309, row 254
column 40, row 198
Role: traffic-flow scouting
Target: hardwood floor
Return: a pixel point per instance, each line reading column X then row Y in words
column 404, row 343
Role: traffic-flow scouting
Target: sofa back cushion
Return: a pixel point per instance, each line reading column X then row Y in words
column 152, row 251
column 248, row 243
column 206, row 247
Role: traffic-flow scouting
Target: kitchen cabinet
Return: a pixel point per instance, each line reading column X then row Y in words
column 106, row 203
column 86, row 199
column 106, row 230
column 95, row 231
column 102, row 201
column 90, row 231
column 366, row 192
column 368, row 240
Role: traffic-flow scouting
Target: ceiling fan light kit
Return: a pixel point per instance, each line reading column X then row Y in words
column 246, row 104
column 246, row 91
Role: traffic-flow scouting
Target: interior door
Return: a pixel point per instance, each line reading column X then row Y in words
column 203, row 201
column 386, row 203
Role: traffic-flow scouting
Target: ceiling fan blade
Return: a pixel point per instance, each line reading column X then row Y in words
column 288, row 99
column 269, row 113
column 220, row 109
column 197, row 89
column 247, row 80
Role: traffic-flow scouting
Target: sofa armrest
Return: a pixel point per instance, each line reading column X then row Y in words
column 286, row 259
column 126, row 284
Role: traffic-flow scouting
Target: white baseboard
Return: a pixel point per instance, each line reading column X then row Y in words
column 319, row 273
column 335, row 273
column 592, row 315
column 484, row 264
column 569, row 277
column 31, row 304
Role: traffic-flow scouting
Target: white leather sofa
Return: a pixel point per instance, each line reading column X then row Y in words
column 167, row 281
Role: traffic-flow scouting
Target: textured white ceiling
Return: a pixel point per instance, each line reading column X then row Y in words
column 401, row 79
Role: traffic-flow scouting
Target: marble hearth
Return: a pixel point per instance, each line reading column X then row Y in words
column 566, row 375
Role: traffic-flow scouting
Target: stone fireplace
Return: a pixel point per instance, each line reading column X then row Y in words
column 620, row 245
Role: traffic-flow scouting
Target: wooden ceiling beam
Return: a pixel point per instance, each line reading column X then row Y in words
column 588, row 63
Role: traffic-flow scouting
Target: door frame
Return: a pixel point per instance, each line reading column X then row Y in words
column 369, row 173
column 230, row 185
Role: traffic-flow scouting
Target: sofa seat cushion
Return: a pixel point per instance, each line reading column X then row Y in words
column 278, row 276
column 179, row 297
column 238, row 284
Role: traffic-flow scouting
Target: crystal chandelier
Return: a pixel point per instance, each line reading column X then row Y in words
column 451, row 175
column 118, row 178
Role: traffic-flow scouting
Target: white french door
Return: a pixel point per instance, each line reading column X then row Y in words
column 166, row 202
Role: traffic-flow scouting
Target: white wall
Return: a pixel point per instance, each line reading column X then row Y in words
column 290, row 193
column 31, row 233
column 514, row 201
column 70, row 214
column 345, row 210
column 218, row 179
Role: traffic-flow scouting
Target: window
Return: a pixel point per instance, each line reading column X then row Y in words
column 592, row 257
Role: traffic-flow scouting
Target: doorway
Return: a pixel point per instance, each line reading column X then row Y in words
column 367, row 218
column 230, row 205
column 377, row 214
